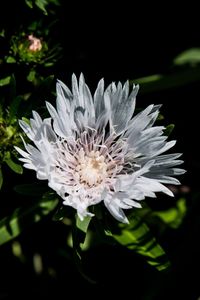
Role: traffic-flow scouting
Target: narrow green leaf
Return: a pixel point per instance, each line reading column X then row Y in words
column 29, row 3
column 22, row 218
column 12, row 165
column 14, row 106
column 147, row 79
column 42, row 4
column 1, row 178
column 158, row 82
column 137, row 236
column 5, row 81
column 190, row 56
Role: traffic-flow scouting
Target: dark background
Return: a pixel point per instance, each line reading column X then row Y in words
column 122, row 42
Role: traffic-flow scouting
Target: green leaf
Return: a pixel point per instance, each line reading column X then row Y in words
column 174, row 216
column 10, row 60
column 2, row 33
column 14, row 106
column 137, row 236
column 31, row 76
column 12, row 165
column 78, row 238
column 79, row 232
column 158, row 82
column 22, row 218
column 168, row 130
column 190, row 56
column 5, row 81
column 1, row 178
column 31, row 189
column 29, row 3
column 83, row 225
column 147, row 79
column 47, row 82
column 42, row 4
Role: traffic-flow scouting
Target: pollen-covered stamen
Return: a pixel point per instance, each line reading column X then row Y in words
column 92, row 168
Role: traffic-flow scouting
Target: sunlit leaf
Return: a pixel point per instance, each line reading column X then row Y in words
column 22, row 218
column 190, row 56
column 5, row 81
column 10, row 60
column 137, row 236
column 83, row 225
column 84, row 246
column 79, row 232
column 174, row 216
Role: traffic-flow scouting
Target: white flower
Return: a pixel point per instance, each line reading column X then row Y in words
column 93, row 149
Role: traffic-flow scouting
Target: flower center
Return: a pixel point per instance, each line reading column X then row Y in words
column 91, row 168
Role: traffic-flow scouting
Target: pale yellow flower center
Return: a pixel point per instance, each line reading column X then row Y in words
column 92, row 168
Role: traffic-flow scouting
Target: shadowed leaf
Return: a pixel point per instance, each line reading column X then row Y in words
column 31, row 189
column 22, row 218
column 168, row 130
column 137, row 236
column 17, row 168
column 158, row 82
column 173, row 217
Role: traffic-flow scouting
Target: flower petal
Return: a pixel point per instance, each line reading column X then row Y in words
column 115, row 210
